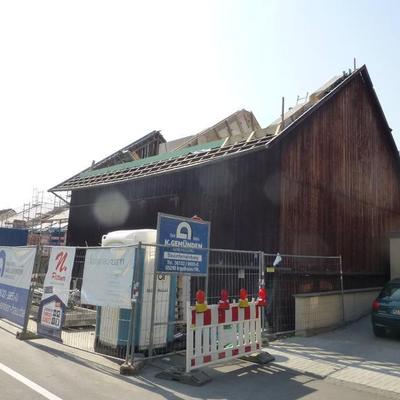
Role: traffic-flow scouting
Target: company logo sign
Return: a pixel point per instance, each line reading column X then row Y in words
column 60, row 258
column 184, row 231
column 2, row 262
column 55, row 296
column 184, row 245
column 58, row 274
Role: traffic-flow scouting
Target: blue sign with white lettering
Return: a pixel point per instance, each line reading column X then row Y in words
column 16, row 265
column 184, row 245
column 13, row 303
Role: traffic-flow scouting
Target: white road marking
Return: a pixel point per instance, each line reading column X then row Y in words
column 32, row 385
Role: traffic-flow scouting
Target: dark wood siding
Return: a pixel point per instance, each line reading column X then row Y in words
column 340, row 184
column 329, row 187
column 240, row 196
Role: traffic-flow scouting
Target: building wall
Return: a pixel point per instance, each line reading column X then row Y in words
column 340, row 184
column 395, row 257
column 240, row 196
column 330, row 187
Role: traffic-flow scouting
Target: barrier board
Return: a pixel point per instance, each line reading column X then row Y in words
column 217, row 335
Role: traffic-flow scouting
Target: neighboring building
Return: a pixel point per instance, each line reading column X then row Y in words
column 44, row 223
column 6, row 214
column 325, row 181
column 51, row 228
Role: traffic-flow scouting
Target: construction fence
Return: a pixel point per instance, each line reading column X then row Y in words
column 154, row 323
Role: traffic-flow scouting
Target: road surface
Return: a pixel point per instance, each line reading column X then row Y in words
column 40, row 369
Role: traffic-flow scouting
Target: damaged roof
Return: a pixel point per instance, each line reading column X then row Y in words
column 201, row 150
column 176, row 160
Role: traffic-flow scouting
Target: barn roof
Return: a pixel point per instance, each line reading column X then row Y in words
column 218, row 149
column 145, row 144
column 166, row 162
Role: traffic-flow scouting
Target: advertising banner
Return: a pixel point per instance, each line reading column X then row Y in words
column 56, row 291
column 51, row 317
column 58, row 276
column 107, row 277
column 16, row 266
column 188, row 239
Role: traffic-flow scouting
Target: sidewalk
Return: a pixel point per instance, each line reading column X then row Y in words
column 351, row 354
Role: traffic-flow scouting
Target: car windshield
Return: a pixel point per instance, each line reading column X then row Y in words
column 392, row 291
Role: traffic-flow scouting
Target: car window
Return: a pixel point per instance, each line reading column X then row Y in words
column 392, row 291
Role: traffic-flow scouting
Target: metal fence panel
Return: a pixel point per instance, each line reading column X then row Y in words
column 86, row 327
column 158, row 324
column 228, row 269
column 288, row 275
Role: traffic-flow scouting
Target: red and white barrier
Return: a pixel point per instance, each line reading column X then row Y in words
column 218, row 335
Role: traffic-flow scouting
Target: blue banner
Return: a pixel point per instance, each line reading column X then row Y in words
column 13, row 303
column 16, row 265
column 187, row 242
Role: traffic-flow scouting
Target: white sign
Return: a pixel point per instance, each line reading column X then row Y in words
column 169, row 255
column 16, row 265
column 107, row 277
column 58, row 276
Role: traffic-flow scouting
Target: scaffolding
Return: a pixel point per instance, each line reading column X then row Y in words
column 45, row 217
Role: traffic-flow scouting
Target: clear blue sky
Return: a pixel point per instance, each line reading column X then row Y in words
column 80, row 79
column 284, row 48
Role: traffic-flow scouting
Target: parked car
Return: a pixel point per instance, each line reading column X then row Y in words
column 386, row 309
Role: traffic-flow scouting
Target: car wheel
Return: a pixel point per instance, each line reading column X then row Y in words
column 379, row 331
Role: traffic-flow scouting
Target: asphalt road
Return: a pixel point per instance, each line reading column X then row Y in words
column 40, row 369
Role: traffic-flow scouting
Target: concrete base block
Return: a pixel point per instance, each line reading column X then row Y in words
column 260, row 358
column 27, row 336
column 131, row 369
column 193, row 378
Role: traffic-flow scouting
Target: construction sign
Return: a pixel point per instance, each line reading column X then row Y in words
column 184, row 245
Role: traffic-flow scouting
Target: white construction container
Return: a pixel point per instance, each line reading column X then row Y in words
column 112, row 325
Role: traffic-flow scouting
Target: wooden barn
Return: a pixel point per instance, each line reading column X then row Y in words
column 324, row 180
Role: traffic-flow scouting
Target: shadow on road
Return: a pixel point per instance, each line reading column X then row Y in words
column 237, row 381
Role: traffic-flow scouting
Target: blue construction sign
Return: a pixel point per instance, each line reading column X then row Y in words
column 184, row 245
